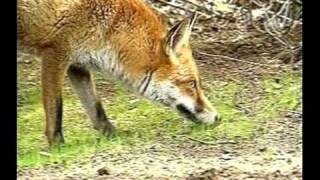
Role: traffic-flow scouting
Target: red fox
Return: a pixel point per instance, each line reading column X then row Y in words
column 120, row 38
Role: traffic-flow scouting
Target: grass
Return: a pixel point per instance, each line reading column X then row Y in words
column 140, row 122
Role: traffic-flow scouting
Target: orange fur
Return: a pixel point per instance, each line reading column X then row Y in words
column 63, row 30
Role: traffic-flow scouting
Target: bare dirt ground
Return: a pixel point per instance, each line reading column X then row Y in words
column 274, row 153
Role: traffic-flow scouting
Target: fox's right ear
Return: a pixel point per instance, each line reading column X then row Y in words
column 179, row 35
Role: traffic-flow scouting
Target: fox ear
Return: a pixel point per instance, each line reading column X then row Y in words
column 179, row 34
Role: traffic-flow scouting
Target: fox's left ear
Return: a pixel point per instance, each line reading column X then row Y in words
column 179, row 35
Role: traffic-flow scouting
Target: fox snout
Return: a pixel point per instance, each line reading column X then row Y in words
column 199, row 114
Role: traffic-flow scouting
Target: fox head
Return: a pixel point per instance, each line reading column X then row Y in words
column 176, row 82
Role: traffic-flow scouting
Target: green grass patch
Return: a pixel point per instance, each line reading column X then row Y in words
column 280, row 96
column 140, row 122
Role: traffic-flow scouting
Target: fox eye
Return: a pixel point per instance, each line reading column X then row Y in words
column 193, row 84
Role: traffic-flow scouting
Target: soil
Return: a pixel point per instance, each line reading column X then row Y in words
column 274, row 153
column 186, row 159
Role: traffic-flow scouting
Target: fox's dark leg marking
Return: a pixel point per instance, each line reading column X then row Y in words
column 58, row 133
column 100, row 111
column 102, row 120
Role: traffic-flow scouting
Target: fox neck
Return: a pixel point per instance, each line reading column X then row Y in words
column 136, row 73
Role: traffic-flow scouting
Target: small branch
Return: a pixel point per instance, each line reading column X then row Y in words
column 182, row 8
column 171, row 4
column 231, row 58
column 293, row 112
column 260, row 4
column 256, row 13
column 194, row 3
column 200, row 141
column 208, row 143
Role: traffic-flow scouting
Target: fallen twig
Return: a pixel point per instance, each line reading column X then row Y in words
column 209, row 143
column 200, row 141
column 179, row 7
column 194, row 3
column 293, row 112
column 231, row 58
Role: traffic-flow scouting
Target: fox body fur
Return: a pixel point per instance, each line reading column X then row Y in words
column 120, row 38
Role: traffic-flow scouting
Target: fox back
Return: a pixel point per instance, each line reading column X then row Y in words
column 120, row 38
